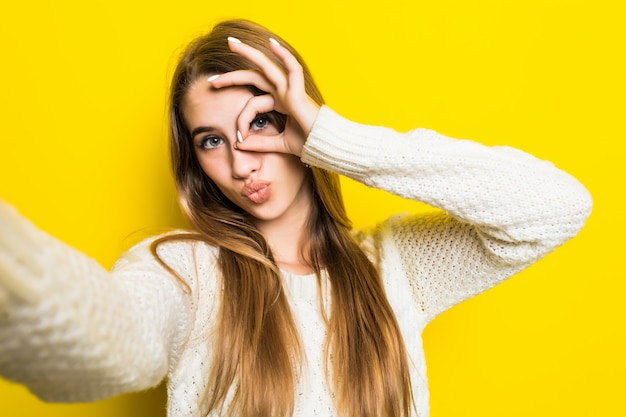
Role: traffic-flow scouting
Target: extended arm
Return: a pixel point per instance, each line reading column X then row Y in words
column 70, row 330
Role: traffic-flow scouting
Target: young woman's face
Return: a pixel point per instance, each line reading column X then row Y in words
column 269, row 186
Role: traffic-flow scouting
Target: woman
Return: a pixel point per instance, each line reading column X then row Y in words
column 272, row 306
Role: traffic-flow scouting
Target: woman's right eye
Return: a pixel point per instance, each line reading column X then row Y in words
column 210, row 142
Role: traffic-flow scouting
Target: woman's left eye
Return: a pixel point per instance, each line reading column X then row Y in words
column 259, row 122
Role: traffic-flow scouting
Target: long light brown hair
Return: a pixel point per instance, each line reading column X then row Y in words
column 257, row 345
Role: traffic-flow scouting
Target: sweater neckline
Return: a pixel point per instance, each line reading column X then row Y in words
column 301, row 286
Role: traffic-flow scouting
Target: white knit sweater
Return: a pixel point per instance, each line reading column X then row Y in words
column 71, row 331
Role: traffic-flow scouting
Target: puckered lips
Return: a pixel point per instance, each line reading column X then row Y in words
column 257, row 191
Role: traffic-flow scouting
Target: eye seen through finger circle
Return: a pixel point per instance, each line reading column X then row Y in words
column 259, row 122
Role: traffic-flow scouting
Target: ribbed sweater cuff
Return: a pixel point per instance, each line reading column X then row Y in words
column 340, row 145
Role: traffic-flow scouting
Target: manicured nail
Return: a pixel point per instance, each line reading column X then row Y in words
column 239, row 137
column 274, row 41
column 233, row 40
column 212, row 77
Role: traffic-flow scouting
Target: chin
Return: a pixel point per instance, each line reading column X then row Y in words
column 260, row 212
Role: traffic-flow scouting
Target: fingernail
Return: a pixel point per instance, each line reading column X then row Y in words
column 274, row 41
column 212, row 77
column 233, row 40
column 239, row 137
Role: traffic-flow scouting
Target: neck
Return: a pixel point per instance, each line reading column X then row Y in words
column 288, row 239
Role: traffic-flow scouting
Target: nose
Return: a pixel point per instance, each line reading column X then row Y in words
column 244, row 163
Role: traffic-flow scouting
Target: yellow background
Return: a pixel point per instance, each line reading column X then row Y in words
column 83, row 154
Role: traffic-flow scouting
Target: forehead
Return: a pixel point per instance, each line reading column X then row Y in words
column 205, row 105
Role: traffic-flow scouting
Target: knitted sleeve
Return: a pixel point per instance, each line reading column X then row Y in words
column 71, row 331
column 502, row 209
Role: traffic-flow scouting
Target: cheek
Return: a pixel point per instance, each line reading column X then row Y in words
column 212, row 168
column 296, row 169
column 219, row 176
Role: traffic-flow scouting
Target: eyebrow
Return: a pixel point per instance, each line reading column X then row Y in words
column 202, row 129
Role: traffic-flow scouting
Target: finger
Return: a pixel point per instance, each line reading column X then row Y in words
column 294, row 68
column 290, row 140
column 255, row 106
column 241, row 78
column 305, row 112
column 270, row 69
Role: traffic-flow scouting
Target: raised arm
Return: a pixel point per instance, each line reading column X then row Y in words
column 503, row 209
column 70, row 330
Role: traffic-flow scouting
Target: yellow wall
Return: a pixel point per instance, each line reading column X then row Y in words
column 82, row 153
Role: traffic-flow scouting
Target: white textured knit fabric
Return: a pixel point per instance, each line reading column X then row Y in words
column 72, row 331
